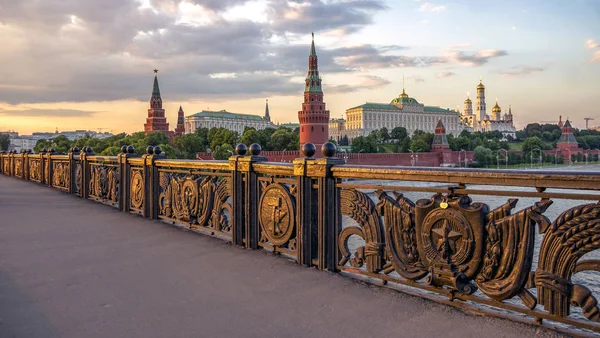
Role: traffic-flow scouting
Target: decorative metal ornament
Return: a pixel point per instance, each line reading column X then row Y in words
column 137, row 189
column 277, row 214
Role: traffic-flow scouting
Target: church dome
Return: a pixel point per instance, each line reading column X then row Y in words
column 496, row 108
column 480, row 85
column 468, row 100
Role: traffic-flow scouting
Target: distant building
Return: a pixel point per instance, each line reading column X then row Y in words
column 24, row 142
column 224, row 119
column 156, row 120
column 403, row 111
column 481, row 121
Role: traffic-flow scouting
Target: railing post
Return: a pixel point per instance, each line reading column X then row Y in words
column 49, row 168
column 124, row 177
column 237, row 196
column 42, row 156
column 11, row 163
column 85, row 171
column 23, row 157
column 151, row 183
column 319, row 212
column 2, row 161
column 251, row 195
column 73, row 158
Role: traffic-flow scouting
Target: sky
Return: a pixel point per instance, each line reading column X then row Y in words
column 73, row 64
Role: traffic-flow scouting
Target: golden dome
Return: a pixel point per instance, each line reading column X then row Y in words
column 496, row 107
column 480, row 86
column 403, row 95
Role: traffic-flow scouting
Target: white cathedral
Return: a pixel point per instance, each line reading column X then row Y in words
column 480, row 121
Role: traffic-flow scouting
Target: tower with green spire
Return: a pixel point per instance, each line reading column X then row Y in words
column 156, row 120
column 314, row 117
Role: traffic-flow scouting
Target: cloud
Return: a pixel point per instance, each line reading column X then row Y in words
column 429, row 7
column 514, row 28
column 416, row 78
column 367, row 82
column 41, row 112
column 442, row 75
column 591, row 44
column 521, row 70
column 298, row 16
column 454, row 54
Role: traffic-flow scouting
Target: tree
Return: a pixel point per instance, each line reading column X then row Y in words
column 4, row 141
column 483, row 156
column 531, row 143
column 223, row 151
column 384, row 134
column 220, row 136
column 363, row 144
column 252, row 135
column 399, row 134
column 284, row 138
column 419, row 146
column 189, row 145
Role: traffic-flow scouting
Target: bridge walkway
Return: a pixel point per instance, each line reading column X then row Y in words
column 74, row 268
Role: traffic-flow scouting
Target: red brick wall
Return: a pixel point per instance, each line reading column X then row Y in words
column 403, row 159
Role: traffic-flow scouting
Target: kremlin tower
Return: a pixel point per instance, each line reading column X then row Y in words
column 156, row 120
column 180, row 123
column 313, row 118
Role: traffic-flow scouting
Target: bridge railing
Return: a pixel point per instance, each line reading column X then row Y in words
column 450, row 235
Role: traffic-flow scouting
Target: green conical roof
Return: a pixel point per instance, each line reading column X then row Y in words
column 313, row 80
column 155, row 89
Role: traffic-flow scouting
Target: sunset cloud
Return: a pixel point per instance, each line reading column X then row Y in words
column 429, row 7
column 521, row 70
column 591, row 44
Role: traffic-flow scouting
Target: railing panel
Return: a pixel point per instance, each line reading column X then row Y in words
column 36, row 168
column 104, row 180
column 277, row 212
column 59, row 172
column 195, row 197
column 476, row 242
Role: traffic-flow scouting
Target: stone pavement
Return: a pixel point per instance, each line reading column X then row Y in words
column 75, row 268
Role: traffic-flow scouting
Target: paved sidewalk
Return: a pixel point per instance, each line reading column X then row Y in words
column 75, row 268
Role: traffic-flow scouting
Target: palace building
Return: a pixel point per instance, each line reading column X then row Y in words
column 480, row 121
column 403, row 111
column 224, row 119
column 156, row 120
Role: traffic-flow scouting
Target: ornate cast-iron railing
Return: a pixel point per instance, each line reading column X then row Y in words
column 450, row 232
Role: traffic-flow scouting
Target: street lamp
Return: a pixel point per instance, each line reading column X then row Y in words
column 345, row 154
column 360, row 151
column 556, row 158
column 284, row 150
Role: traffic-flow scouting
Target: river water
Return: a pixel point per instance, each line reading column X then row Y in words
column 587, row 278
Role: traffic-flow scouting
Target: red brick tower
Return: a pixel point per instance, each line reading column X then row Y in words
column 313, row 118
column 156, row 120
column 440, row 141
column 440, row 145
column 180, row 123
